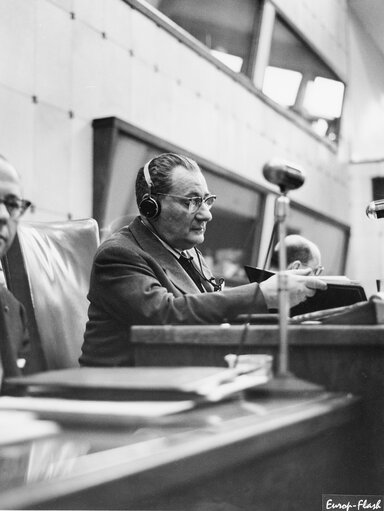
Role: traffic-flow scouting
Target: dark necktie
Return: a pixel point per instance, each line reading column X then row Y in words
column 187, row 263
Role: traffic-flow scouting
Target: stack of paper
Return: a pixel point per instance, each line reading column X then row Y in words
column 18, row 426
column 139, row 383
column 125, row 395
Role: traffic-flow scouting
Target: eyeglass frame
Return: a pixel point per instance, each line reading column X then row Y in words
column 318, row 270
column 17, row 211
column 201, row 200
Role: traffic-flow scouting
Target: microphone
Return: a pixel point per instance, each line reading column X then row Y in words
column 283, row 174
column 375, row 209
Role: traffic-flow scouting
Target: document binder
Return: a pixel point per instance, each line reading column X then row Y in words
column 340, row 292
column 370, row 312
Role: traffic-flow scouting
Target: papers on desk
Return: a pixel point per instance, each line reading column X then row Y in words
column 18, row 426
column 198, row 384
column 126, row 395
column 98, row 412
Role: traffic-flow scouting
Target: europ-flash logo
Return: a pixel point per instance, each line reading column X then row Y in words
column 352, row 502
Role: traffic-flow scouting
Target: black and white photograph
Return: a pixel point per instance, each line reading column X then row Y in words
column 192, row 255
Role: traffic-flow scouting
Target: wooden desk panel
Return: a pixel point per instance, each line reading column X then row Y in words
column 348, row 359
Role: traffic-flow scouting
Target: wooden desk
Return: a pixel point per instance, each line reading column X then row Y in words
column 260, row 454
column 342, row 358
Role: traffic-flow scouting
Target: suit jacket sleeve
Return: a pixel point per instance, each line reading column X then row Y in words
column 14, row 340
column 135, row 289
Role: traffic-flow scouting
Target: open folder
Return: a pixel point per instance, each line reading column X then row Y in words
column 200, row 384
column 340, row 292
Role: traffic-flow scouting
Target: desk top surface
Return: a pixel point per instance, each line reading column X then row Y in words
column 50, row 471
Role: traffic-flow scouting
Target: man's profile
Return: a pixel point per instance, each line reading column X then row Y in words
column 151, row 272
column 13, row 331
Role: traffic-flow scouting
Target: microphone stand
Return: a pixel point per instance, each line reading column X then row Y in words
column 281, row 213
column 285, row 381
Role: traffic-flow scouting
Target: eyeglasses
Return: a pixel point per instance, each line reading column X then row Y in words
column 317, row 270
column 15, row 206
column 193, row 203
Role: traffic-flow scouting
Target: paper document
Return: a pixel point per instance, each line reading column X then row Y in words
column 73, row 409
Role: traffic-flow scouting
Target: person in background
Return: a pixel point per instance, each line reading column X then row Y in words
column 151, row 273
column 301, row 254
column 14, row 340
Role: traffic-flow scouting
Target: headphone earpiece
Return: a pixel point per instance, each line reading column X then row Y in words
column 149, row 207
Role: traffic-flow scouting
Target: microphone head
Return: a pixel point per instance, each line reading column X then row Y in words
column 375, row 209
column 283, row 174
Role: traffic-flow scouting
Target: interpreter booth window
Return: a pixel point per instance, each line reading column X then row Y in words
column 331, row 237
column 298, row 79
column 232, row 237
column 229, row 28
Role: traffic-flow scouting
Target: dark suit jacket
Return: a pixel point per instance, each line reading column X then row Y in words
column 135, row 280
column 14, row 341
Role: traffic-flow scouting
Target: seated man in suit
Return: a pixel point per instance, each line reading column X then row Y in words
column 13, row 331
column 301, row 253
column 151, row 272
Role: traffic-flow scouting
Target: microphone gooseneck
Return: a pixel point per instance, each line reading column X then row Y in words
column 375, row 209
column 283, row 174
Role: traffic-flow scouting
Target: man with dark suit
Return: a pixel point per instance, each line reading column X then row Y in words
column 150, row 272
column 13, row 332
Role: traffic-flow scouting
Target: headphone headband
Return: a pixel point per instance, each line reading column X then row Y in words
column 147, row 176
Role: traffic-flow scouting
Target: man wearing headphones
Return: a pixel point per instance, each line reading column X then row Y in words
column 151, row 272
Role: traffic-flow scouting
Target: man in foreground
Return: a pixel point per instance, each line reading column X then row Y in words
column 13, row 331
column 151, row 272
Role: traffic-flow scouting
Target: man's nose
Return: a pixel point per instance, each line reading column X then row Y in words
column 4, row 214
column 204, row 213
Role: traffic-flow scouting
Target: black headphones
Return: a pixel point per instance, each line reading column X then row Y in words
column 149, row 207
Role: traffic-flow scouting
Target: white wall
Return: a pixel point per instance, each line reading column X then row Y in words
column 365, row 132
column 107, row 59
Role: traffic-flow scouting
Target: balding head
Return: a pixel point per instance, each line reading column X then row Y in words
column 301, row 253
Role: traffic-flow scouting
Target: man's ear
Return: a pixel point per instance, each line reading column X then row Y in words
column 295, row 265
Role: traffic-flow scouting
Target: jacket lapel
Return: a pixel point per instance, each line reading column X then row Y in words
column 150, row 244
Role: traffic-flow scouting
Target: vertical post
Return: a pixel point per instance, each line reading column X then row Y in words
column 281, row 211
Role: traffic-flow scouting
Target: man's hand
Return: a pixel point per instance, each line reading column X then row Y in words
column 300, row 286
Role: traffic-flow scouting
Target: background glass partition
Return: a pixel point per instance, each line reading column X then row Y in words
column 297, row 78
column 233, row 236
column 331, row 237
column 229, row 28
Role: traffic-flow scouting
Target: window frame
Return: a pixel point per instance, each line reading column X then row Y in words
column 346, row 229
column 270, row 15
column 247, row 82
